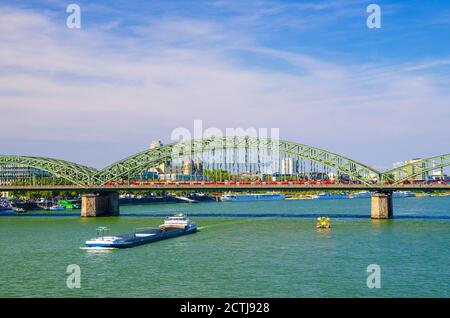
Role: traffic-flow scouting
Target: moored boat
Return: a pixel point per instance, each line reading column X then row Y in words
column 328, row 195
column 69, row 204
column 362, row 195
column 57, row 207
column 24, row 206
column 252, row 197
column 403, row 194
column 4, row 207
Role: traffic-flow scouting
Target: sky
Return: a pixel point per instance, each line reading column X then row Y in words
column 137, row 70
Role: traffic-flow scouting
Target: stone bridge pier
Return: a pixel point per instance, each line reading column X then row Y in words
column 382, row 205
column 104, row 203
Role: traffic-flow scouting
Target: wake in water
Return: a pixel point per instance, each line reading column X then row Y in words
column 97, row 249
column 223, row 224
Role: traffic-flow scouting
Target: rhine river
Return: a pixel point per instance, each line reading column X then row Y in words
column 243, row 249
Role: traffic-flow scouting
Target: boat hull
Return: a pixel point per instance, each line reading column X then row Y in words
column 141, row 238
column 328, row 196
column 252, row 197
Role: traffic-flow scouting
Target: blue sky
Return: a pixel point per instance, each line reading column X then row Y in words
column 136, row 70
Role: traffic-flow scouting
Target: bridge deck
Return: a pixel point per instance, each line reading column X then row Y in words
column 228, row 187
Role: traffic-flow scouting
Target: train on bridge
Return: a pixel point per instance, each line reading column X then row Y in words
column 259, row 182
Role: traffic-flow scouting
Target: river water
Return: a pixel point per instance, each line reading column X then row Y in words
column 244, row 249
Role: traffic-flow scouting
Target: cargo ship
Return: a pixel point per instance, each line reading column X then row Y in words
column 173, row 226
column 252, row 197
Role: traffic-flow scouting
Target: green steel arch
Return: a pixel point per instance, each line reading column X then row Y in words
column 72, row 172
column 417, row 168
column 153, row 157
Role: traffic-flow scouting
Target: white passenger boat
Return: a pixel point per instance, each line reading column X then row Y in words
column 403, row 194
column 57, row 207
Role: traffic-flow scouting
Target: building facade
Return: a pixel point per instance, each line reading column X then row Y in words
column 163, row 167
column 289, row 166
column 413, row 167
column 10, row 173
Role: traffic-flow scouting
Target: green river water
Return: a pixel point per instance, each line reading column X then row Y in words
column 244, row 249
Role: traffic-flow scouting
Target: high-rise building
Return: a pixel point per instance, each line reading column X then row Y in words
column 187, row 167
column 438, row 172
column 163, row 167
column 198, row 167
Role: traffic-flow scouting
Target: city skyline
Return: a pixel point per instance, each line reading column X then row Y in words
column 136, row 71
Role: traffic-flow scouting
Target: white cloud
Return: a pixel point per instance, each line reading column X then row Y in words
column 84, row 85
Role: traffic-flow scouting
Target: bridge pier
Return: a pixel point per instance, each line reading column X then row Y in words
column 382, row 206
column 100, row 204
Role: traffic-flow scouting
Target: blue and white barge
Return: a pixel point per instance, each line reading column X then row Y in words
column 173, row 226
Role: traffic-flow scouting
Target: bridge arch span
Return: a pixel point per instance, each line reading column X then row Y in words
column 417, row 168
column 72, row 172
column 154, row 157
